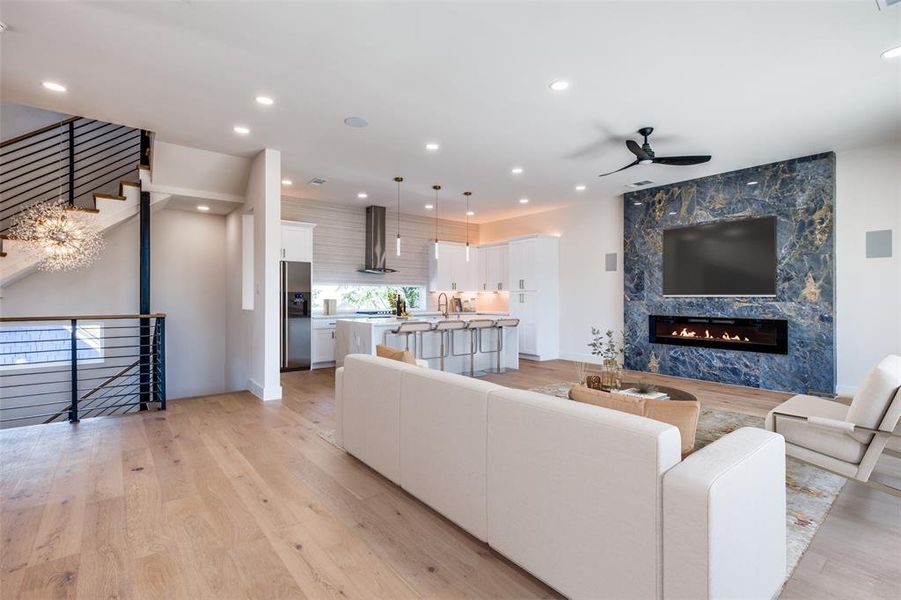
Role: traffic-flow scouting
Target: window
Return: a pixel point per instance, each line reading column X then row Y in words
column 352, row 297
column 38, row 346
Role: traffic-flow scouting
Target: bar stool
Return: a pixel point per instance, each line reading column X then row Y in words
column 499, row 326
column 474, row 327
column 414, row 328
column 444, row 329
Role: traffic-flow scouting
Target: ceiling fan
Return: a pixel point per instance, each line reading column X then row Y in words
column 645, row 156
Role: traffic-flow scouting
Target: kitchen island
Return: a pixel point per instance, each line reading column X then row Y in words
column 362, row 335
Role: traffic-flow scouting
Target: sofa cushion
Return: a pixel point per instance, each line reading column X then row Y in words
column 574, row 493
column 370, row 389
column 404, row 356
column 442, row 444
column 877, row 390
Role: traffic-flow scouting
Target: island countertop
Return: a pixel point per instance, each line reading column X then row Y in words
column 360, row 335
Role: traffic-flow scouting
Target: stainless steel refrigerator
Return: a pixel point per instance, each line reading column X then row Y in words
column 296, row 300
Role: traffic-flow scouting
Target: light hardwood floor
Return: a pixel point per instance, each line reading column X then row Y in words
column 227, row 497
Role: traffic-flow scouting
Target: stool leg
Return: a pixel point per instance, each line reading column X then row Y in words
column 472, row 353
column 441, row 334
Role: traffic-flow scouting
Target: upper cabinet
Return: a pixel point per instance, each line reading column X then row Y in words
column 493, row 268
column 451, row 272
column 533, row 263
column 297, row 241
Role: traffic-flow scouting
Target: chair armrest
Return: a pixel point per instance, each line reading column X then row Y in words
column 724, row 519
column 834, row 424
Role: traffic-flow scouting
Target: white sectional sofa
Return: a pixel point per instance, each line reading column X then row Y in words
column 594, row 502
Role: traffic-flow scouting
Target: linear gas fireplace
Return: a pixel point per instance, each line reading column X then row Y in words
column 749, row 335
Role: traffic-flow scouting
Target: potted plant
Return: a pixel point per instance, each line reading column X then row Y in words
column 606, row 347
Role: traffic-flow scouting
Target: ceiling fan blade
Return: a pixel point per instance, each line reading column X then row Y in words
column 618, row 170
column 637, row 150
column 682, row 161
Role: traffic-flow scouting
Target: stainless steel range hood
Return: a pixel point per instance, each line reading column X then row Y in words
column 375, row 242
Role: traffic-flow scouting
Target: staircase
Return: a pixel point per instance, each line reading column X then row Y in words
column 90, row 166
column 66, row 368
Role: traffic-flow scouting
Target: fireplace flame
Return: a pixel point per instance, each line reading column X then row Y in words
column 692, row 334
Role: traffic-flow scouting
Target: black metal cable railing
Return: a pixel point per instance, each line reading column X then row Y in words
column 72, row 368
column 66, row 162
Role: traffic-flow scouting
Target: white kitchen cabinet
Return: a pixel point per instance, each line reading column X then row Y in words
column 451, row 272
column 297, row 241
column 493, row 268
column 323, row 350
column 534, row 266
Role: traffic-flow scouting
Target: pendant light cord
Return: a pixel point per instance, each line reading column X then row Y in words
column 436, row 188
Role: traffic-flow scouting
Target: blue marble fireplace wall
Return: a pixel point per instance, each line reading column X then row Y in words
column 800, row 193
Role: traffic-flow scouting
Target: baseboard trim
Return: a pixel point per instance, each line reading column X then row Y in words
column 273, row 392
column 845, row 390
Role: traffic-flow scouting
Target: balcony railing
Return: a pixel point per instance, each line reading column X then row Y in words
column 74, row 367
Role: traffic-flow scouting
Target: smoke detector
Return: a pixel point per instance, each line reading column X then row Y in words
column 316, row 181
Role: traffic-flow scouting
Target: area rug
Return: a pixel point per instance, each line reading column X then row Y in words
column 809, row 491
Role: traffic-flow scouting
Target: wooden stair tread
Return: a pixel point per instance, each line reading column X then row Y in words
column 80, row 209
column 99, row 196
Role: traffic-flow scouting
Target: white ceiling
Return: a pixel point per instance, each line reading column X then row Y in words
column 749, row 83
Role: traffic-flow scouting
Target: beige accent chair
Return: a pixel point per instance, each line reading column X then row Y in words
column 848, row 440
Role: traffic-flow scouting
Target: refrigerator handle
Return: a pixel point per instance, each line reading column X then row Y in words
column 284, row 299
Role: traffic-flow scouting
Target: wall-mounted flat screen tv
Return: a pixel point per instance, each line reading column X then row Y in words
column 725, row 258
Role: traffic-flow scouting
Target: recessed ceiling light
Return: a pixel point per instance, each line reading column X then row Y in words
column 751, row 183
column 356, row 122
column 580, row 188
column 431, row 146
column 203, row 207
column 523, row 200
column 429, row 207
column 558, row 85
column 892, row 52
column 241, row 130
column 362, row 195
column 54, row 87
column 264, row 100
column 287, row 182
column 516, row 170
column 470, row 213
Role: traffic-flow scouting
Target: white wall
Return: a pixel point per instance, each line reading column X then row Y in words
column 589, row 295
column 252, row 355
column 16, row 119
column 188, row 284
column 868, row 291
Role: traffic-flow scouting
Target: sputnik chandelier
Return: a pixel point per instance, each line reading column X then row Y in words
column 60, row 239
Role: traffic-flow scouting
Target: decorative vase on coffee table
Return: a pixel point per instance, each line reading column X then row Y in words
column 611, row 375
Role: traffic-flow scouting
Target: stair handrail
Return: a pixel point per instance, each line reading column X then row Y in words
column 79, row 317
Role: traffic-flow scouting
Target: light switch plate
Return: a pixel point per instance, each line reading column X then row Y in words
column 610, row 261
column 879, row 244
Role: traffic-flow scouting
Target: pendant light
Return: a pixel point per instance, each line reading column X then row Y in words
column 436, row 188
column 398, row 181
column 467, row 194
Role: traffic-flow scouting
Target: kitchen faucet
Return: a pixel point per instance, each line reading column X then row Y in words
column 446, row 304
